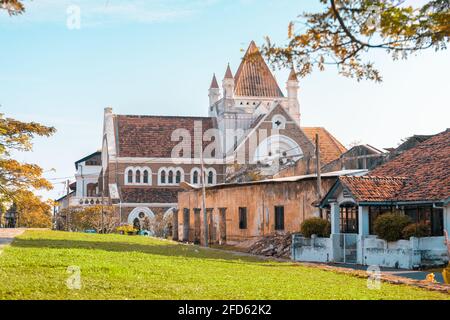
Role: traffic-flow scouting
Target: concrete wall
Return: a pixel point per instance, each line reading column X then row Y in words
column 260, row 201
column 311, row 250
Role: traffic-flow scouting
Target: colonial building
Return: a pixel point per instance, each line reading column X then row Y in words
column 84, row 190
column 416, row 183
column 250, row 123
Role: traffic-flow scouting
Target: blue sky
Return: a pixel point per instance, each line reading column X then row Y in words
column 158, row 56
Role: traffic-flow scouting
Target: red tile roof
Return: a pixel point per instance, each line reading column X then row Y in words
column 426, row 166
column 254, row 78
column 330, row 148
column 150, row 136
column 373, row 188
column 419, row 174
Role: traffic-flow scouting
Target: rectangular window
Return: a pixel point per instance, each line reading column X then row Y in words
column 242, row 218
column 432, row 217
column 279, row 218
column 349, row 218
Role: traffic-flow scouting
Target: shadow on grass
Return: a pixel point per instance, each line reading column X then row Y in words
column 167, row 250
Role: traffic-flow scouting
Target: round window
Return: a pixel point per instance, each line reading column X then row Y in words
column 141, row 215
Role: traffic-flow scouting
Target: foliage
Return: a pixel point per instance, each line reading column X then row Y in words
column 85, row 218
column 146, row 225
column 32, row 211
column 160, row 225
column 418, row 230
column 115, row 267
column 389, row 226
column 126, row 229
column 13, row 7
column 16, row 136
column 345, row 30
column 317, row 226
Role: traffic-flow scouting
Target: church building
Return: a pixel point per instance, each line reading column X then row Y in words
column 251, row 123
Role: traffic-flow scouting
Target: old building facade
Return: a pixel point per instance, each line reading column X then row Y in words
column 243, row 211
column 250, row 121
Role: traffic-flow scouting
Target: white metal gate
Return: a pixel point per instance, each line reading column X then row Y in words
column 345, row 246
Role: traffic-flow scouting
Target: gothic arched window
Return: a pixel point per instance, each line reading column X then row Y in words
column 130, row 176
column 138, row 176
column 210, row 177
column 195, row 178
column 178, row 177
column 145, row 176
column 170, row 178
column 163, row 177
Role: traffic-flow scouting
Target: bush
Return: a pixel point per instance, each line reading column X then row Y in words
column 126, row 229
column 389, row 226
column 317, row 226
column 418, row 230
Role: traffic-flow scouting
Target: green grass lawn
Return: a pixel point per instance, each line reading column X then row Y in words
column 132, row 267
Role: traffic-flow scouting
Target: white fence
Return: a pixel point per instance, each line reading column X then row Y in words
column 350, row 248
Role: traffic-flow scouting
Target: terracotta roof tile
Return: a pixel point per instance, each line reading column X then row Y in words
column 373, row 188
column 330, row 148
column 427, row 168
column 254, row 78
column 150, row 136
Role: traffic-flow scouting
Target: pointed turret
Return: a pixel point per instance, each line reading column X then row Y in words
column 292, row 90
column 228, row 73
column 293, row 75
column 214, row 84
column 228, row 84
column 214, row 91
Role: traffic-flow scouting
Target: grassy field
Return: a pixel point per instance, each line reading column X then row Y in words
column 131, row 267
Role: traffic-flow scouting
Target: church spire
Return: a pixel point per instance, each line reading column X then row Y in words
column 228, row 73
column 292, row 90
column 214, row 84
column 228, row 84
column 213, row 94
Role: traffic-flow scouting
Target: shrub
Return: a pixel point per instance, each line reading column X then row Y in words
column 416, row 230
column 389, row 226
column 126, row 229
column 317, row 226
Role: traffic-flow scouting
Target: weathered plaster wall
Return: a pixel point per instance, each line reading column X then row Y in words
column 260, row 201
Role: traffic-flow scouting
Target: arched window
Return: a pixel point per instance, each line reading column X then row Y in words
column 130, row 176
column 195, row 178
column 178, row 177
column 170, row 178
column 210, row 177
column 163, row 177
column 138, row 176
column 146, row 176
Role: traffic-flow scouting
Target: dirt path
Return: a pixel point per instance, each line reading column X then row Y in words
column 8, row 235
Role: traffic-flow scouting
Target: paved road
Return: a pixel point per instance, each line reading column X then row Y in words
column 8, row 235
column 411, row 274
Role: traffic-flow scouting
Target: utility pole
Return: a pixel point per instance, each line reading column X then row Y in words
column 319, row 177
column 103, row 196
column 68, row 204
column 205, row 215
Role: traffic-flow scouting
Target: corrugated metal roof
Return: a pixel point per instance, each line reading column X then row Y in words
column 334, row 174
